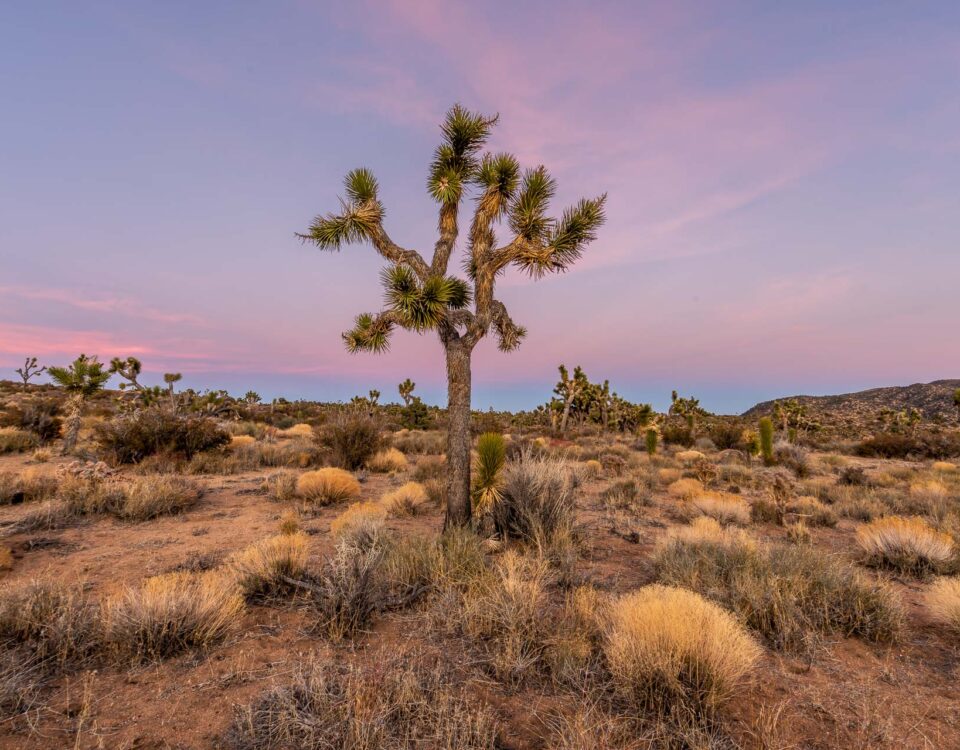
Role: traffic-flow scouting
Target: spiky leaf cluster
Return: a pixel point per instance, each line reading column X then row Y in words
column 84, row 376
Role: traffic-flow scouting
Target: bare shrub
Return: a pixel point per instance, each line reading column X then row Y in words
column 538, row 502
column 352, row 438
column 347, row 591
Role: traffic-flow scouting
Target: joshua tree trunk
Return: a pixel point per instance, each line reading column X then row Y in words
column 75, row 410
column 458, row 433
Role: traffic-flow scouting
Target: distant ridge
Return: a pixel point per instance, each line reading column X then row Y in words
column 934, row 400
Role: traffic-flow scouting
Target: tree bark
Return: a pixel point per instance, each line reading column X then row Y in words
column 74, row 421
column 458, row 434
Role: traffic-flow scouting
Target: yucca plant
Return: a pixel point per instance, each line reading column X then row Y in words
column 651, row 441
column 81, row 379
column 423, row 296
column 488, row 477
column 766, row 440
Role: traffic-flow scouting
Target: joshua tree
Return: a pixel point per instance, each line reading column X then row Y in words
column 406, row 391
column 956, row 401
column 31, row 369
column 128, row 369
column 81, row 379
column 252, row 397
column 170, row 378
column 422, row 295
column 569, row 390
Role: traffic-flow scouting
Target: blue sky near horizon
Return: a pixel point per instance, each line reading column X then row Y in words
column 783, row 186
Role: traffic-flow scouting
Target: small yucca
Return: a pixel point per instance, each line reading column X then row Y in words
column 488, row 472
column 387, row 460
column 327, row 486
column 668, row 647
column 907, row 544
column 943, row 601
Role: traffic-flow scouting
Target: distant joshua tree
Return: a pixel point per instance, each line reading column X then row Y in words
column 128, row 369
column 31, row 369
column 569, row 389
column 252, row 397
column 81, row 379
column 406, row 391
column 422, row 296
column 956, row 401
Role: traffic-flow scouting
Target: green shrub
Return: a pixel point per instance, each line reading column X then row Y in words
column 352, row 438
column 131, row 438
column 766, row 440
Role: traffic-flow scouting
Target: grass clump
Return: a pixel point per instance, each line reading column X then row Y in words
column 347, row 591
column 671, row 649
column 943, row 601
column 28, row 486
column 812, row 512
column 361, row 524
column 786, row 594
column 170, row 614
column 386, row 461
column 260, row 569
column 281, row 486
column 327, row 486
column 908, row 545
column 722, row 507
column 151, row 497
column 14, row 440
column 401, row 702
column 538, row 502
column 685, row 489
column 406, row 500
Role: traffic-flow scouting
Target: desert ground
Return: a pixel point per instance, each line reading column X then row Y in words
column 225, row 602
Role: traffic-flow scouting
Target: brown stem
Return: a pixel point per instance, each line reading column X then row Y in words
column 458, row 433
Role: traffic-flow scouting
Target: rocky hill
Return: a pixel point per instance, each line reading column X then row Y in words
column 933, row 400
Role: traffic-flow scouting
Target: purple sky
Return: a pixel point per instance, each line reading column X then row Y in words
column 784, row 188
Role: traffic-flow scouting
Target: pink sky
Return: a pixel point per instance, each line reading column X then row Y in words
column 782, row 186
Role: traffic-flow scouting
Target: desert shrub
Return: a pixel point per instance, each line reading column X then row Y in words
column 28, row 486
column 290, row 522
column 625, row 495
column 430, row 467
column 39, row 417
column 327, row 486
column 722, row 507
column 798, row 532
column 793, row 456
column 353, row 439
column 504, row 612
column 297, row 431
column 909, row 545
column 281, row 486
column 859, row 507
column 727, row 436
column 671, row 649
column 361, row 524
column 689, row 457
column 347, row 592
column 592, row 469
column 420, row 441
column 853, row 476
column 673, row 434
column 944, row 467
column 685, row 489
column 939, row 446
column 14, row 440
column 20, row 680
column 169, row 614
column 943, row 601
column 260, row 569
column 538, row 502
column 54, row 620
column 812, row 512
column 406, row 500
column 149, row 497
column 406, row 702
column 6, row 559
column 387, row 460
column 133, row 437
column 668, row 475
column 786, row 594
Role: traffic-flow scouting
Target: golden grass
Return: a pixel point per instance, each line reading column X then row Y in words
column 668, row 475
column 242, row 441
column 41, row 455
column 327, row 486
column 812, row 512
column 281, row 486
column 297, row 431
column 406, row 500
column 259, row 569
column 689, row 457
column 592, row 469
column 53, row 617
column 943, row 601
column 669, row 647
column 685, row 489
column 170, row 614
column 723, row 507
column 13, row 440
column 289, row 522
column 6, row 558
column 944, row 466
column 906, row 544
column 387, row 460
column 359, row 520
column 150, row 497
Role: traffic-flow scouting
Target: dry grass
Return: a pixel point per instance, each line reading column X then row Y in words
column 361, row 523
column 13, row 440
column 812, row 512
column 259, row 570
column 151, row 497
column 406, row 500
column 685, row 489
column 239, row 442
column 169, row 614
column 689, row 457
column 6, row 559
column 668, row 648
column 787, row 594
column 298, row 431
column 400, row 703
column 281, row 486
column 909, row 545
column 386, row 461
column 290, row 522
column 668, row 475
column 30, row 485
column 943, row 601
column 348, row 591
column 944, row 466
column 723, row 507
column 592, row 469
column 328, row 486
column 51, row 618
